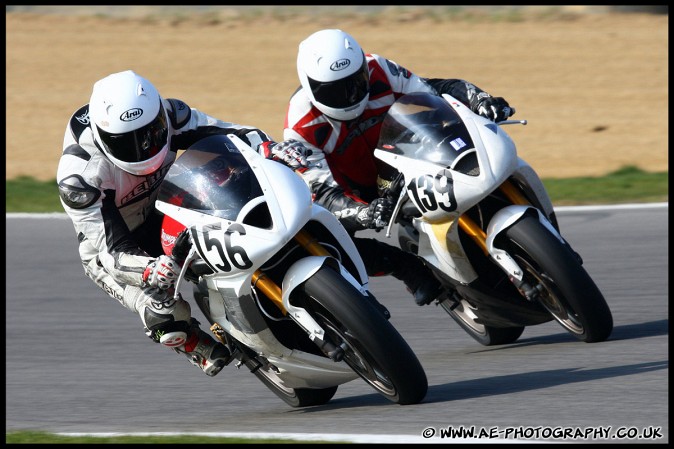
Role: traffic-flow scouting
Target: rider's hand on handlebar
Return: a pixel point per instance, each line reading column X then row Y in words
column 377, row 214
column 161, row 273
column 289, row 152
column 495, row 109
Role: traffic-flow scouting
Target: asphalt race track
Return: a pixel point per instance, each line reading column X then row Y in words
column 78, row 362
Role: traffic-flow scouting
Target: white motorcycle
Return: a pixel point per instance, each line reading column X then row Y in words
column 279, row 279
column 481, row 218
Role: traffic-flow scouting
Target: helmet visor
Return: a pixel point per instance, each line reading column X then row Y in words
column 138, row 145
column 342, row 93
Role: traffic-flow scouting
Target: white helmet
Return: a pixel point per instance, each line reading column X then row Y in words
column 333, row 71
column 129, row 122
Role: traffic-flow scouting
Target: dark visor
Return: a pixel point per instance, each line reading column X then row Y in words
column 139, row 145
column 342, row 93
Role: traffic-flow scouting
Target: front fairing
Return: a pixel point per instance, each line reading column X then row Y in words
column 450, row 157
column 239, row 206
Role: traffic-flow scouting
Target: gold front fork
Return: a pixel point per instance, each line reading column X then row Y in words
column 513, row 194
column 472, row 229
column 269, row 287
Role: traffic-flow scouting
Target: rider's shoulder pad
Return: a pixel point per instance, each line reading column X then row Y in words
column 79, row 122
column 179, row 112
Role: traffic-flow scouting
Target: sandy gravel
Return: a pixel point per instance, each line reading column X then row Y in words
column 594, row 87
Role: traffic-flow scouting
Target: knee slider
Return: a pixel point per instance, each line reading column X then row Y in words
column 165, row 329
column 166, row 318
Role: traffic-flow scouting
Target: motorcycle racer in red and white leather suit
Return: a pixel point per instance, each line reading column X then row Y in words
column 337, row 114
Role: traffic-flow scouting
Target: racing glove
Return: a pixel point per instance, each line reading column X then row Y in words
column 376, row 215
column 181, row 247
column 289, row 152
column 495, row 109
column 161, row 273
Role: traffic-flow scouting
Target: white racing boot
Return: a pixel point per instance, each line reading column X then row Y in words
column 206, row 353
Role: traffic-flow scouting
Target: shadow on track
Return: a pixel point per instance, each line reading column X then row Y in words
column 498, row 385
column 624, row 332
column 534, row 380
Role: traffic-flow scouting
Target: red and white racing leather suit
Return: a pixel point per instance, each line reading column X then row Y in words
column 342, row 172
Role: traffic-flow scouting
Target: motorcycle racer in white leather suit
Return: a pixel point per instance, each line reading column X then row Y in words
column 116, row 151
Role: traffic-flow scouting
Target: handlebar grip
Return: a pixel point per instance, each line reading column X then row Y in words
column 394, row 189
column 181, row 248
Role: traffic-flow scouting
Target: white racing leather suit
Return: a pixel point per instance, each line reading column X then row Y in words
column 113, row 212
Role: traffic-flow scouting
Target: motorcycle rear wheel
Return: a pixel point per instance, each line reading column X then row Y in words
column 461, row 312
column 294, row 397
column 485, row 335
column 564, row 287
column 373, row 348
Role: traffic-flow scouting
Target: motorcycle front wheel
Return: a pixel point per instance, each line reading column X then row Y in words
column 371, row 346
column 560, row 283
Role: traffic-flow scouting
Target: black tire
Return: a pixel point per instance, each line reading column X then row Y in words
column 373, row 348
column 295, row 397
column 408, row 239
column 462, row 312
column 565, row 289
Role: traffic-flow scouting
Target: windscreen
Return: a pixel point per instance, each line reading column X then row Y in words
column 211, row 177
column 425, row 127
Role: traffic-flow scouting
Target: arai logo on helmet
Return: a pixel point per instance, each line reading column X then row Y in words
column 131, row 115
column 339, row 65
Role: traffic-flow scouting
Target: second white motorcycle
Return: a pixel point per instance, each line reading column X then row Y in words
column 481, row 218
